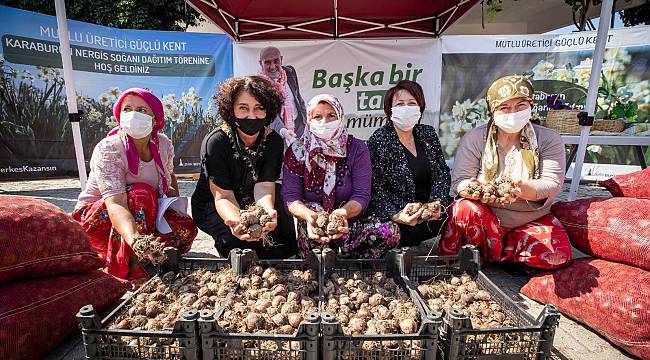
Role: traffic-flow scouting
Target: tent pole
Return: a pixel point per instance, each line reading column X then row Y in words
column 336, row 19
column 437, row 82
column 592, row 94
column 70, row 91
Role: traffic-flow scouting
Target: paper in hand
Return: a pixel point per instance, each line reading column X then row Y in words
column 179, row 204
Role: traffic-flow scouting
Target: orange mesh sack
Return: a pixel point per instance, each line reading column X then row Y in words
column 611, row 298
column 636, row 184
column 39, row 239
column 615, row 229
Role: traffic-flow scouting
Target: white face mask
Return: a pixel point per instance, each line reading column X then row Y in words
column 324, row 130
column 513, row 123
column 405, row 117
column 136, row 124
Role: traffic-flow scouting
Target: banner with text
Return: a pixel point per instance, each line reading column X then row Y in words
column 558, row 65
column 183, row 69
column 358, row 72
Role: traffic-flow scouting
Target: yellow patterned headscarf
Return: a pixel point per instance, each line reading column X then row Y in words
column 508, row 87
column 504, row 89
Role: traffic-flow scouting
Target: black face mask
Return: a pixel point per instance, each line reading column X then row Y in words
column 250, row 127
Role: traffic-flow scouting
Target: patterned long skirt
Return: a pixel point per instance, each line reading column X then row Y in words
column 542, row 243
column 143, row 204
column 367, row 239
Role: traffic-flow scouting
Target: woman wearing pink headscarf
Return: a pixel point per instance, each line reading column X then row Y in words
column 130, row 169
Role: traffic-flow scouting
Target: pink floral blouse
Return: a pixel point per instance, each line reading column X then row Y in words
column 109, row 169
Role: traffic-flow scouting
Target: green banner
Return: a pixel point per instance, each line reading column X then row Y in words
column 29, row 51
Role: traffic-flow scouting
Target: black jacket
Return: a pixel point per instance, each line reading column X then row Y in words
column 392, row 181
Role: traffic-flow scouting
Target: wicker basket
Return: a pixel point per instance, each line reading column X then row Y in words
column 563, row 121
column 615, row 126
column 566, row 121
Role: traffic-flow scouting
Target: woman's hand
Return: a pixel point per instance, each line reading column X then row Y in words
column 172, row 192
column 310, row 219
column 271, row 225
column 288, row 136
column 344, row 229
column 130, row 239
column 488, row 198
column 404, row 218
column 514, row 194
column 472, row 195
column 237, row 229
column 120, row 215
column 431, row 216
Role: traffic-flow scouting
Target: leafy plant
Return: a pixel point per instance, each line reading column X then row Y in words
column 609, row 154
column 613, row 106
column 636, row 15
column 491, row 8
column 463, row 117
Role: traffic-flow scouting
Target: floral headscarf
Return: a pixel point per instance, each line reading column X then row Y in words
column 504, row 89
column 316, row 159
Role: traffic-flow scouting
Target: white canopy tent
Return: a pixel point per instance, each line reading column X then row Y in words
column 516, row 17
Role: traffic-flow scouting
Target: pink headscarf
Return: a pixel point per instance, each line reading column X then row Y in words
column 159, row 117
column 280, row 84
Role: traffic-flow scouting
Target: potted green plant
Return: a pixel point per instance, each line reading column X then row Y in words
column 613, row 111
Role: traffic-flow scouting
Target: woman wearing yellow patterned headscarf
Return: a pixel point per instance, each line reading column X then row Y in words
column 507, row 174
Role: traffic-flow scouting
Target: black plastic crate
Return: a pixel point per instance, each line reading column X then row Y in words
column 338, row 345
column 304, row 345
column 180, row 343
column 529, row 339
column 103, row 343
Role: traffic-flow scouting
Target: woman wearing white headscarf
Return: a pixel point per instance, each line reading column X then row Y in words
column 328, row 169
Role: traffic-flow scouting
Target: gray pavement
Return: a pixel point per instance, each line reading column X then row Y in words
column 572, row 340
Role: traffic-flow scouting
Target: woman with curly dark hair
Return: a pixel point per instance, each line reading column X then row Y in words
column 240, row 164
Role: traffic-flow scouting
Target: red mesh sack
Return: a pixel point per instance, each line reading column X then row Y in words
column 36, row 315
column 39, row 239
column 629, row 185
column 615, row 229
column 611, row 298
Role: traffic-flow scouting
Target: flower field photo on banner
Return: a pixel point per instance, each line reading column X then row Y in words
column 184, row 68
column 613, row 80
column 34, row 108
column 186, row 119
column 624, row 91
